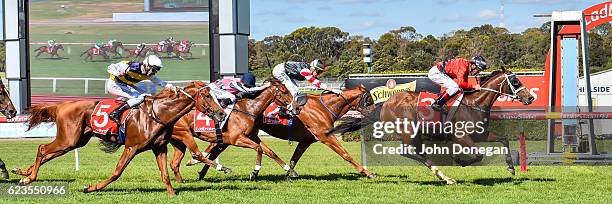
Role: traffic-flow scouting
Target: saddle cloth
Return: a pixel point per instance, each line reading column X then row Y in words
column 273, row 115
column 426, row 99
column 100, row 121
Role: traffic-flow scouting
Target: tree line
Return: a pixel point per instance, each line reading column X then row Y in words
column 405, row 50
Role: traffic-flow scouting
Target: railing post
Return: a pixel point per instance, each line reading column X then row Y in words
column 54, row 85
column 105, row 90
column 86, row 86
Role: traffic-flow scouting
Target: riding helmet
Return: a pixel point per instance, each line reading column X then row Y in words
column 480, row 62
column 318, row 64
column 154, row 61
column 248, row 80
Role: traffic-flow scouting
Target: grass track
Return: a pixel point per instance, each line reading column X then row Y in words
column 325, row 177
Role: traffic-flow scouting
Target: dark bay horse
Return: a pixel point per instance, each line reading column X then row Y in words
column 114, row 48
column 476, row 106
column 168, row 49
column 148, row 128
column 7, row 109
column 91, row 52
column 240, row 125
column 52, row 51
column 311, row 125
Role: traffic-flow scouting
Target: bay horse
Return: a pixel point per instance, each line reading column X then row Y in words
column 168, row 49
column 475, row 106
column 113, row 48
column 317, row 117
column 52, row 51
column 182, row 48
column 7, row 109
column 240, row 129
column 148, row 128
column 92, row 52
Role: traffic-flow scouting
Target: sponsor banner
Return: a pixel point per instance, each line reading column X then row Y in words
column 18, row 130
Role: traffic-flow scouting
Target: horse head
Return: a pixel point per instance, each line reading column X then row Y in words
column 206, row 103
column 283, row 97
column 6, row 106
column 504, row 82
column 59, row 47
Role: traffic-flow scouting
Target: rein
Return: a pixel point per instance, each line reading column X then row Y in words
column 329, row 110
column 514, row 94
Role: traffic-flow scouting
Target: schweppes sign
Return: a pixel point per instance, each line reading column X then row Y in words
column 383, row 93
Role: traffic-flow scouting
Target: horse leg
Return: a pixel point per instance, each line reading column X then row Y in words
column 333, row 143
column 196, row 154
column 127, row 156
column 38, row 54
column 504, row 140
column 213, row 154
column 179, row 153
column 266, row 150
column 466, row 142
column 160, row 155
column 46, row 152
column 297, row 154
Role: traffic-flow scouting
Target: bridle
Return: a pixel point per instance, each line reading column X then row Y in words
column 207, row 109
column 346, row 102
column 277, row 94
column 509, row 85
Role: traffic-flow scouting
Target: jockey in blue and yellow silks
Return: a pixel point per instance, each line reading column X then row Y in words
column 123, row 79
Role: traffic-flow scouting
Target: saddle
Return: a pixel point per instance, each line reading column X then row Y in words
column 426, row 99
column 103, row 126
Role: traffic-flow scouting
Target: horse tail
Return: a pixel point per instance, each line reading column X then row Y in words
column 41, row 113
column 370, row 114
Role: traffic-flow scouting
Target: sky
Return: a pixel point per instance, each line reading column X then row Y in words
column 372, row 18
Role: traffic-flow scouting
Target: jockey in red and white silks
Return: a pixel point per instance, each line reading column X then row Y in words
column 453, row 75
column 290, row 71
column 226, row 90
column 123, row 79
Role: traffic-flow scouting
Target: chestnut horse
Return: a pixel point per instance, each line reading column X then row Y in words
column 240, row 128
column 475, row 107
column 138, row 53
column 148, row 128
column 311, row 125
column 53, row 52
column 90, row 53
column 7, row 109
column 176, row 49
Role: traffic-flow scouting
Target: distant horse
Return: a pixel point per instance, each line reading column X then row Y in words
column 136, row 51
column 182, row 48
column 113, row 48
column 148, row 128
column 93, row 51
column 7, row 109
column 52, row 51
column 168, row 49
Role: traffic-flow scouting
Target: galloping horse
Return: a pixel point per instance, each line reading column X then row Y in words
column 7, row 109
column 182, row 48
column 137, row 53
column 311, row 125
column 52, row 51
column 168, row 49
column 113, row 48
column 476, row 107
column 148, row 128
column 240, row 129
column 92, row 51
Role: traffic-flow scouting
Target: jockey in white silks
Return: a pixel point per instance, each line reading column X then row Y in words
column 123, row 79
column 290, row 71
column 226, row 90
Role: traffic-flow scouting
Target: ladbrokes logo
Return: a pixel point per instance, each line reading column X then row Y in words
column 382, row 93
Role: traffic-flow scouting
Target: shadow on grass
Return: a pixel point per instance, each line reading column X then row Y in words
column 515, row 181
column 179, row 189
column 17, row 178
column 281, row 178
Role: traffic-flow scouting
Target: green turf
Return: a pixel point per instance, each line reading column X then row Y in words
column 325, row 177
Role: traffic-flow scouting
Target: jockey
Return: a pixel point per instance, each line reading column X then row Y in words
column 227, row 89
column 453, row 75
column 99, row 45
column 290, row 71
column 110, row 42
column 123, row 79
column 141, row 46
column 165, row 42
column 51, row 43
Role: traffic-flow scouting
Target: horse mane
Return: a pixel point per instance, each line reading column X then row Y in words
column 169, row 92
column 486, row 78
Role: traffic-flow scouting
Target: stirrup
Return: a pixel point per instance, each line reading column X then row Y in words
column 439, row 108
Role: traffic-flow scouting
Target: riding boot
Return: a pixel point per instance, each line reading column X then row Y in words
column 117, row 113
column 438, row 105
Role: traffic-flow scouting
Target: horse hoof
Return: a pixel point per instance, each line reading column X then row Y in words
column 24, row 181
column 86, row 189
column 451, row 182
column 512, row 171
column 292, row 174
column 372, row 176
column 4, row 174
column 16, row 171
column 192, row 162
column 253, row 176
column 227, row 170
